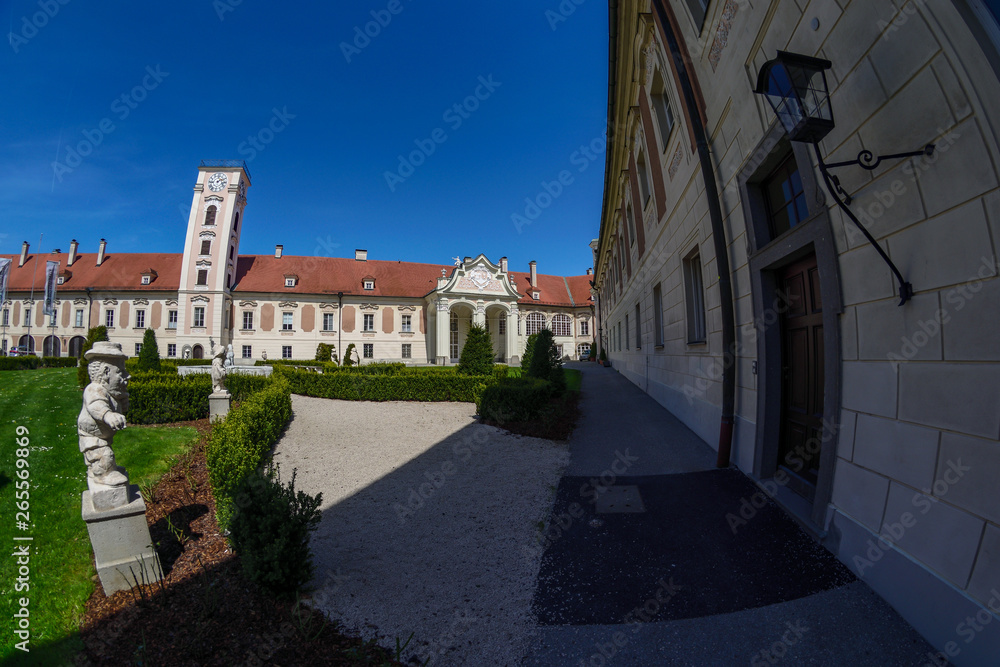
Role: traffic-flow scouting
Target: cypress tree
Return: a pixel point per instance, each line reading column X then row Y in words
column 477, row 353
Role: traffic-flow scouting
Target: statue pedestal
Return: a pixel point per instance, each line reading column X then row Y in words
column 218, row 405
column 123, row 549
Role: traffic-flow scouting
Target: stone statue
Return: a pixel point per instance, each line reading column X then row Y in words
column 105, row 402
column 230, row 355
column 263, row 355
column 218, row 371
column 187, row 354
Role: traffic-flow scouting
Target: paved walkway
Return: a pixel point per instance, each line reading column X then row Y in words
column 644, row 566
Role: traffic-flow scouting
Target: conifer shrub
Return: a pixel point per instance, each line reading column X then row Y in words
column 270, row 531
column 514, row 400
column 149, row 353
column 529, row 349
column 477, row 353
column 546, row 364
column 94, row 335
column 324, row 351
column 349, row 356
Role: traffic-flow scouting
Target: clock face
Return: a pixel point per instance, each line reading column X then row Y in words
column 217, row 181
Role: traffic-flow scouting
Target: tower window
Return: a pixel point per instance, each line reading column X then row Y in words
column 202, row 277
column 236, row 221
column 210, row 215
column 206, row 247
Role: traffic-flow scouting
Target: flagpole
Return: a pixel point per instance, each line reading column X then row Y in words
column 34, row 272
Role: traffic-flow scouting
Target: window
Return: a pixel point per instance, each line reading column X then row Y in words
column 6, row 317
column 138, row 349
column 248, row 319
column 369, row 351
column 247, row 352
column 638, row 328
column 145, row 280
column 407, row 351
column 643, row 173
column 535, row 295
column 453, row 335
column 171, row 349
column 369, row 284
column 518, row 325
column 584, row 327
column 172, row 319
column 206, row 247
column 327, row 321
column 694, row 294
column 140, row 319
column 657, row 316
column 628, row 339
column 406, row 323
column 619, row 335
column 77, row 318
column 289, row 282
column 286, row 321
column 502, row 325
column 562, row 325
column 202, row 277
column 232, row 251
column 661, row 109
column 286, row 351
column 109, row 317
column 559, row 350
column 369, row 322
column 784, row 199
column 210, row 215
column 199, row 316
column 236, row 221
column 535, row 323
column 52, row 318
column 698, row 8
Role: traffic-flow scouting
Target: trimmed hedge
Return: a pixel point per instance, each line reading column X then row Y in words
column 354, row 386
column 239, row 444
column 29, row 362
column 162, row 397
column 515, row 399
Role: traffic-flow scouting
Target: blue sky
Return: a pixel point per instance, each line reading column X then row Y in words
column 148, row 90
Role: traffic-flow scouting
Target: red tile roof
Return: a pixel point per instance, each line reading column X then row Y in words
column 265, row 273
column 119, row 271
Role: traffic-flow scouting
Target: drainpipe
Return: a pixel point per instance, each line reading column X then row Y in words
column 90, row 307
column 719, row 242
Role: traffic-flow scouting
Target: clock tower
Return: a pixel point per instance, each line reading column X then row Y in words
column 211, row 249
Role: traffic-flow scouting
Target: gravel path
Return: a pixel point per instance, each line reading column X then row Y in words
column 429, row 523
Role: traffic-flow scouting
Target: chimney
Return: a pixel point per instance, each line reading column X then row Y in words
column 503, row 264
column 73, row 245
column 24, row 253
column 534, row 274
column 100, row 252
column 277, row 251
column 590, row 272
column 57, row 251
column 361, row 255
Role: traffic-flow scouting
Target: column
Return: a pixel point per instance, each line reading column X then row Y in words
column 441, row 322
column 512, row 338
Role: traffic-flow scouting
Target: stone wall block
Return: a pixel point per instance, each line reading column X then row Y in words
column 860, row 493
column 958, row 397
column 897, row 450
column 870, row 387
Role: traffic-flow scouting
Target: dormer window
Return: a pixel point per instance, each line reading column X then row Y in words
column 60, row 280
column 369, row 283
column 291, row 280
column 145, row 280
column 148, row 276
column 535, row 295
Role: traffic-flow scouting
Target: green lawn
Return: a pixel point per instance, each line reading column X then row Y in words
column 574, row 379
column 47, row 402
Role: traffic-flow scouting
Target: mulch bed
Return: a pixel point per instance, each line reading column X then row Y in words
column 556, row 421
column 204, row 612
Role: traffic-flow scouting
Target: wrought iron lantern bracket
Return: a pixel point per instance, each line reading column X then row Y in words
column 867, row 160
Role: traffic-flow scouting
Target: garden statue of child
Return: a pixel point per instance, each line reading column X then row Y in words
column 105, row 402
column 218, row 371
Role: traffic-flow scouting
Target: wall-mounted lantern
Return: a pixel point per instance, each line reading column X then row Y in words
column 796, row 88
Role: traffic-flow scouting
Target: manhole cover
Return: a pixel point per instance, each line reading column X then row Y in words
column 620, row 500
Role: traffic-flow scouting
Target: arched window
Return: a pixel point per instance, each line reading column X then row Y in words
column 236, row 221
column 562, row 325
column 210, row 215
column 232, row 251
column 534, row 323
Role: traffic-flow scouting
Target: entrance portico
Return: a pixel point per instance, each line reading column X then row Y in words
column 477, row 292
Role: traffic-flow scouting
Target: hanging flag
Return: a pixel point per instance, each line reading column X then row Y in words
column 51, row 269
column 4, row 274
